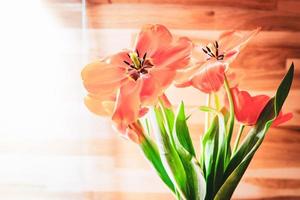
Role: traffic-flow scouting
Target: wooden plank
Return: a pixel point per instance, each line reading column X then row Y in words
column 250, row 188
column 117, row 39
column 266, row 39
column 194, row 17
column 265, row 58
column 289, row 6
column 280, row 147
column 63, row 152
column 251, row 4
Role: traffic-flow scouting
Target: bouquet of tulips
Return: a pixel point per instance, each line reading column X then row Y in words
column 129, row 87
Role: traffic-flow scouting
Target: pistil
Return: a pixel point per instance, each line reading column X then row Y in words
column 135, row 59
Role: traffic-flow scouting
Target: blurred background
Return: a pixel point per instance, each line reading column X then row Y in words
column 52, row 148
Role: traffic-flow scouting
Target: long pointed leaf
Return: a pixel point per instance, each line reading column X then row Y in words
column 184, row 147
column 219, row 153
column 245, row 153
column 181, row 133
column 168, row 154
column 151, row 152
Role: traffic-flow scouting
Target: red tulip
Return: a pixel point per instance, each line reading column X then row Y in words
column 247, row 108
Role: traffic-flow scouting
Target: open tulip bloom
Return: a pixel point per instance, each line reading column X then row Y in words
column 129, row 88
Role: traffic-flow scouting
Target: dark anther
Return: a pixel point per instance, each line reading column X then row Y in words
column 127, row 63
column 210, row 53
column 220, row 57
column 216, row 53
column 208, row 49
column 128, row 55
column 147, row 64
column 144, row 58
column 216, row 44
column 136, row 72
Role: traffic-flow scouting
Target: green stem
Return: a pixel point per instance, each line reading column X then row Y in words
column 217, row 101
column 238, row 138
column 231, row 111
column 207, row 115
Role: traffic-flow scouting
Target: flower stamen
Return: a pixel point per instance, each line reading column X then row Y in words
column 139, row 66
column 209, row 51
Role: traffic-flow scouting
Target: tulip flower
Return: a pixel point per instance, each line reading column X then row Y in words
column 207, row 74
column 247, row 108
column 124, row 84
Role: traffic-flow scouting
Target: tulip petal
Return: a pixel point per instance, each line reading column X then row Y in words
column 100, row 71
column 99, row 106
column 143, row 111
column 184, row 84
column 235, row 39
column 210, row 78
column 185, row 75
column 230, row 56
column 282, row 118
column 155, row 83
column 152, row 38
column 165, row 100
column 119, row 58
column 100, row 76
column 105, row 88
column 175, row 56
column 132, row 135
column 127, row 105
column 247, row 108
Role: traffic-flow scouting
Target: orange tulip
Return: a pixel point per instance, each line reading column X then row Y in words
column 207, row 74
column 247, row 108
column 122, row 85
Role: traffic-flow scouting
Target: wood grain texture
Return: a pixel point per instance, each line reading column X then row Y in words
column 194, row 17
column 63, row 152
column 251, row 4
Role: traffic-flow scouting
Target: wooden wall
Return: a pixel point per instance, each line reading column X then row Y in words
column 82, row 158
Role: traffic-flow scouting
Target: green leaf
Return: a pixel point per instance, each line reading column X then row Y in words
column 151, row 152
column 168, row 117
column 184, row 147
column 199, row 183
column 181, row 134
column 209, row 155
column 168, row 153
column 242, row 158
column 214, row 142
